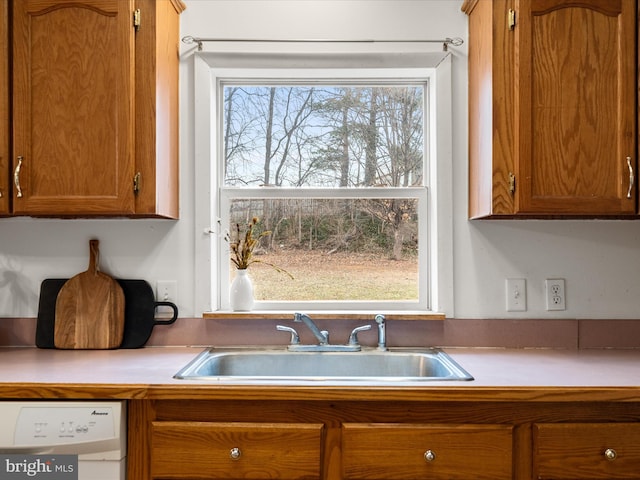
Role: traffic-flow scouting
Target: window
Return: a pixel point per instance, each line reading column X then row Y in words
column 341, row 164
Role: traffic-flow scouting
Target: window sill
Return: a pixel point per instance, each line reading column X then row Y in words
column 324, row 315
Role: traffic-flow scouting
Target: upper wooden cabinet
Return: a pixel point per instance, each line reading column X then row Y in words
column 552, row 89
column 95, row 107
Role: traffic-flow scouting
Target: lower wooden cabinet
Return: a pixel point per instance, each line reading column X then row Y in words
column 585, row 451
column 186, row 450
column 411, row 451
column 356, row 439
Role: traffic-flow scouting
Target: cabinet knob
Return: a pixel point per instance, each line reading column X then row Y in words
column 610, row 454
column 235, row 453
column 429, row 456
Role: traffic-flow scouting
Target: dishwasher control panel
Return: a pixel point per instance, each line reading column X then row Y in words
column 46, row 425
column 60, row 423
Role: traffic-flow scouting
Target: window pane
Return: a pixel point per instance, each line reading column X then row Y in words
column 323, row 136
column 336, row 249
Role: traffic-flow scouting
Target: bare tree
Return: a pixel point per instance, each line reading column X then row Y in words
column 371, row 141
column 399, row 162
column 304, row 111
column 269, row 136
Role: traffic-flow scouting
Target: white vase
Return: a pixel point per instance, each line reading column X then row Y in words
column 241, row 292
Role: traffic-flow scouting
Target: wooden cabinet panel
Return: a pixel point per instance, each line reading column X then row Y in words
column 157, row 108
column 586, row 451
column 410, row 451
column 491, row 108
column 73, row 107
column 4, row 109
column 199, row 450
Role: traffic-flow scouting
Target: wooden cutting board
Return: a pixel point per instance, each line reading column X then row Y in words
column 139, row 312
column 90, row 309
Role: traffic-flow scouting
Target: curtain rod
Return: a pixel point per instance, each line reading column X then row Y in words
column 456, row 41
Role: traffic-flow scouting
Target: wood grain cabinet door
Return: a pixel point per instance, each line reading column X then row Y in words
column 576, row 107
column 4, row 109
column 436, row 452
column 586, row 451
column 73, row 107
column 235, row 450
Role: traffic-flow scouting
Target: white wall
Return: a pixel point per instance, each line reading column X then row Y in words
column 600, row 260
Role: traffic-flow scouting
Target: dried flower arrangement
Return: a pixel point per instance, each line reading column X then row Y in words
column 243, row 245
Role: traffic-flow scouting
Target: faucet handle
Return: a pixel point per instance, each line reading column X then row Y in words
column 353, row 338
column 295, row 339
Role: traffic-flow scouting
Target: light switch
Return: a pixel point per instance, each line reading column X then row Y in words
column 166, row 291
column 516, row 292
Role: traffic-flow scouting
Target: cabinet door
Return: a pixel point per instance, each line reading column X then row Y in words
column 186, row 450
column 73, row 114
column 411, row 452
column 4, row 108
column 575, row 104
column 584, row 451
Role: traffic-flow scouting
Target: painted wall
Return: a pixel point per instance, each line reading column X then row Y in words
column 600, row 260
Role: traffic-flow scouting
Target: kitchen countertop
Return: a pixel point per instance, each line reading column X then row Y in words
column 147, row 373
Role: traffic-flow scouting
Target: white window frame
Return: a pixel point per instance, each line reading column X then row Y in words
column 211, row 69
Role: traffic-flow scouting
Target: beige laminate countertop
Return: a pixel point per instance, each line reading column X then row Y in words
column 147, row 373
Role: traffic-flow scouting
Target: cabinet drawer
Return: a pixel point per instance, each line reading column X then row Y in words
column 201, row 450
column 586, row 450
column 410, row 451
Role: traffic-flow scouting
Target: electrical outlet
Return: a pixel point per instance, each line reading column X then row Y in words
column 556, row 299
column 166, row 291
column 516, row 291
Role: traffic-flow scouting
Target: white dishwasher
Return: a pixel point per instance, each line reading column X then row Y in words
column 67, row 439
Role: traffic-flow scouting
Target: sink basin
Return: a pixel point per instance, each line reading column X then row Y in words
column 278, row 364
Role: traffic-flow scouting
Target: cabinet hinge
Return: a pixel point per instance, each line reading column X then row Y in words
column 136, row 183
column 512, row 183
column 511, row 19
column 136, row 19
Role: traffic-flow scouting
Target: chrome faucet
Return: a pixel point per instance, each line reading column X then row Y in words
column 321, row 335
column 382, row 332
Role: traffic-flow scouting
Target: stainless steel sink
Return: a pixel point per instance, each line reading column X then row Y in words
column 278, row 364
